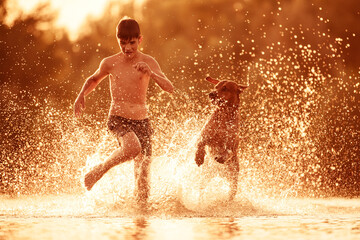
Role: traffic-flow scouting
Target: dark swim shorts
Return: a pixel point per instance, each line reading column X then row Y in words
column 119, row 126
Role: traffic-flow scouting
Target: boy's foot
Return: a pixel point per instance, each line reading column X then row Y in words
column 93, row 176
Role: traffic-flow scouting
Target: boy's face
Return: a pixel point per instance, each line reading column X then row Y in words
column 129, row 46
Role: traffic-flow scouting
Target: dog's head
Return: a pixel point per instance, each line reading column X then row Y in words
column 225, row 93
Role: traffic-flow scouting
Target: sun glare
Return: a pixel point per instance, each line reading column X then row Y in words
column 71, row 13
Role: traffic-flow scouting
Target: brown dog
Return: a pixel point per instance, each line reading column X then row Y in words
column 220, row 133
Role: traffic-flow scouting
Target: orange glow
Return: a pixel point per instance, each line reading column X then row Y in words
column 299, row 118
column 71, row 13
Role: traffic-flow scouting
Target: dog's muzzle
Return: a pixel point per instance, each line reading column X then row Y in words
column 212, row 95
column 214, row 98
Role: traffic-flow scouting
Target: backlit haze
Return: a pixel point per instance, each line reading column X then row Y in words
column 299, row 150
column 300, row 126
column 72, row 14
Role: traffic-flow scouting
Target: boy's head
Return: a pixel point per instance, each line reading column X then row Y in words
column 128, row 36
column 127, row 29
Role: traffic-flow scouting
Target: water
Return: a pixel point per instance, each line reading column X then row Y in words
column 73, row 217
column 186, row 202
column 299, row 145
column 46, row 199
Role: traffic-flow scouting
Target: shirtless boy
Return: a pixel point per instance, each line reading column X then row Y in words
column 130, row 72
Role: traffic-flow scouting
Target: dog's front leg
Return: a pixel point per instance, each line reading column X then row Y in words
column 225, row 155
column 200, row 154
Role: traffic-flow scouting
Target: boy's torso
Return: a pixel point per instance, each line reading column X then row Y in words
column 128, row 87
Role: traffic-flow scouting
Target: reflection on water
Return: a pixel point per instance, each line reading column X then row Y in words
column 271, row 227
column 300, row 100
column 73, row 217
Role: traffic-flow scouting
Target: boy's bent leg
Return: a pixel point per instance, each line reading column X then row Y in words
column 130, row 148
column 142, row 181
column 233, row 176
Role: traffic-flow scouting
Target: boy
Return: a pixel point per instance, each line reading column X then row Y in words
column 130, row 72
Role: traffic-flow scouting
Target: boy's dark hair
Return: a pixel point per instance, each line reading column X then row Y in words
column 127, row 28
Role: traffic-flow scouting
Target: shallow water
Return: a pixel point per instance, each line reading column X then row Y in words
column 186, row 202
column 75, row 217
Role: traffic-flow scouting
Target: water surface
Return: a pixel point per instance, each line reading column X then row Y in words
column 75, row 217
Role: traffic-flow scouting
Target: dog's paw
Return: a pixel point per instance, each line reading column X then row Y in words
column 199, row 161
column 199, row 156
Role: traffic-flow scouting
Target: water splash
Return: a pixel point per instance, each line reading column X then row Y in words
column 50, row 151
column 297, row 117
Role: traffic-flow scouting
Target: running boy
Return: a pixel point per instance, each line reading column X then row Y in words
column 130, row 72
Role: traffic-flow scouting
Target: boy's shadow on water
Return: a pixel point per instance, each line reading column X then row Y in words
column 221, row 228
column 138, row 229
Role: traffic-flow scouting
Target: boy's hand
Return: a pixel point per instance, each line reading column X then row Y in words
column 79, row 105
column 143, row 67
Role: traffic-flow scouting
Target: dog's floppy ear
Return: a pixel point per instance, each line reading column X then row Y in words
column 242, row 86
column 212, row 80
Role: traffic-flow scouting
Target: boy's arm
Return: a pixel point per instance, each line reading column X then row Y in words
column 89, row 85
column 152, row 68
column 162, row 81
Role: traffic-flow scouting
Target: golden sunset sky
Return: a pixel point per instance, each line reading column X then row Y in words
column 71, row 13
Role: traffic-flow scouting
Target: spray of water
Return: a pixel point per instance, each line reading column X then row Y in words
column 286, row 151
